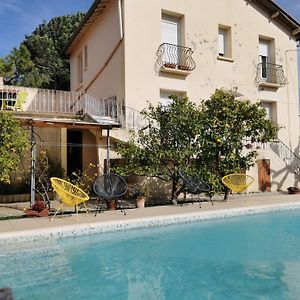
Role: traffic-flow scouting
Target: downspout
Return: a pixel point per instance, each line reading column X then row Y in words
column 120, row 19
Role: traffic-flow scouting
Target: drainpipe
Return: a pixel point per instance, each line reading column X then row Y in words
column 33, row 159
column 107, row 152
column 120, row 19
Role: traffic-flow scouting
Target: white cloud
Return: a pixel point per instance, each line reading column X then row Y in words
column 8, row 6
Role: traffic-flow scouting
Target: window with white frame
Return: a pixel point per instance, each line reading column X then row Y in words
column 170, row 29
column 270, row 108
column 85, row 57
column 264, row 54
column 224, row 41
column 80, row 67
column 165, row 96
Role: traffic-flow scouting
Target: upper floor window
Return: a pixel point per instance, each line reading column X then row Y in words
column 80, row 67
column 270, row 108
column 264, row 57
column 85, row 57
column 165, row 96
column 172, row 57
column 170, row 30
column 224, row 39
column 268, row 72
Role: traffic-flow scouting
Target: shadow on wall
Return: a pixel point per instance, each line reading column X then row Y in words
column 159, row 190
column 292, row 167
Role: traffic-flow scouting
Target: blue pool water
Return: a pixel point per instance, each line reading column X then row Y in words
column 249, row 257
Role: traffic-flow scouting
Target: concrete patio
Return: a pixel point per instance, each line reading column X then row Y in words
column 20, row 226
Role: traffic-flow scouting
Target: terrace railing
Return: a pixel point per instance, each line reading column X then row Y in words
column 291, row 159
column 270, row 73
column 174, row 57
column 58, row 103
column 54, row 101
column 106, row 108
column 132, row 119
column 286, row 154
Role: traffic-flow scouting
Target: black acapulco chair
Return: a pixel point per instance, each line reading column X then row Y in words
column 109, row 186
column 195, row 186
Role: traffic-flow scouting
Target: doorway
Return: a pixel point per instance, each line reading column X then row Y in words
column 264, row 180
column 74, row 152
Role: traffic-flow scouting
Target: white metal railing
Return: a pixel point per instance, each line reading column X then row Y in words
column 291, row 159
column 64, row 102
column 107, row 107
column 74, row 104
column 132, row 119
column 254, row 145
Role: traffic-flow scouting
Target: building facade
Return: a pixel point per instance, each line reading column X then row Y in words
column 137, row 51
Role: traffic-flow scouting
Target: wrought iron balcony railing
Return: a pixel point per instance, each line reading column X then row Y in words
column 270, row 73
column 174, row 57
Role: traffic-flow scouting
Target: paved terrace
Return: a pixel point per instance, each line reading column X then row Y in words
column 23, row 226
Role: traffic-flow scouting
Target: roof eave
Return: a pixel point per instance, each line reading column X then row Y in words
column 279, row 15
column 97, row 8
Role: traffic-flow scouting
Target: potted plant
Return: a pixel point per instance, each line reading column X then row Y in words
column 170, row 65
column 139, row 193
column 38, row 209
column 183, row 67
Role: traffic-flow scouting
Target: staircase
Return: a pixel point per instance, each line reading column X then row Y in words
column 286, row 155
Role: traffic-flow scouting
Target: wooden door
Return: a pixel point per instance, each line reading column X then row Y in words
column 264, row 180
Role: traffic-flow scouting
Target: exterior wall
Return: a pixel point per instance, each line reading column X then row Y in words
column 50, row 140
column 200, row 32
column 89, row 151
column 101, row 40
column 131, row 74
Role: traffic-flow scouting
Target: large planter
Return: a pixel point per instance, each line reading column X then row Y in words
column 140, row 202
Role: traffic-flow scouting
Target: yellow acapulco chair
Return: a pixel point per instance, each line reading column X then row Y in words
column 237, row 182
column 20, row 101
column 69, row 194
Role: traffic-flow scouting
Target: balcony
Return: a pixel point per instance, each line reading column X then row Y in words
column 270, row 75
column 175, row 59
column 58, row 104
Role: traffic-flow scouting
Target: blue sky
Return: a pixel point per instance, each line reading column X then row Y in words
column 20, row 17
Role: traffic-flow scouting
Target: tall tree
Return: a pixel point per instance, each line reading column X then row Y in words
column 205, row 141
column 225, row 122
column 168, row 144
column 39, row 61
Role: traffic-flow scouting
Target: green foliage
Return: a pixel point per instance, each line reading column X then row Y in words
column 166, row 146
column 205, row 140
column 39, row 61
column 13, row 142
column 84, row 179
column 136, row 190
column 225, row 122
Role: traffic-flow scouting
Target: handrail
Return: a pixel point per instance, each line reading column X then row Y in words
column 291, row 159
column 174, row 57
column 270, row 73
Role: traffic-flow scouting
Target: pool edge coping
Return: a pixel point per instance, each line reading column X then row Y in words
column 41, row 234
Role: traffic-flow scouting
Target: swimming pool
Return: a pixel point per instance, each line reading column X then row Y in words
column 249, row 257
